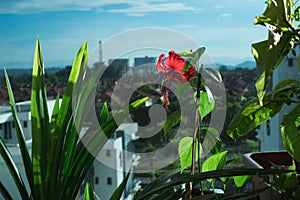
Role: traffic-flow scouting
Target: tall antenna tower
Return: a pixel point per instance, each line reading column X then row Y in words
column 100, row 52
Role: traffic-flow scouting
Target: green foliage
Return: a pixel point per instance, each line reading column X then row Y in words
column 279, row 18
column 89, row 192
column 240, row 181
column 172, row 120
column 119, row 191
column 206, row 103
column 185, row 152
column 211, row 139
column 285, row 184
column 290, row 132
column 174, row 181
column 214, row 162
column 253, row 114
column 59, row 159
column 192, row 57
column 270, row 53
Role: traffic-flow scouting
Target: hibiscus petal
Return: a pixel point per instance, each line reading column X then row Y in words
column 173, row 67
column 159, row 65
column 175, row 61
column 176, row 76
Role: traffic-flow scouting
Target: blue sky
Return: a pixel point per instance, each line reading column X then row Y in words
column 224, row 27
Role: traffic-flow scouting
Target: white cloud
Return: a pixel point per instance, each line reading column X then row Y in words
column 218, row 7
column 185, row 26
column 226, row 15
column 143, row 7
column 129, row 7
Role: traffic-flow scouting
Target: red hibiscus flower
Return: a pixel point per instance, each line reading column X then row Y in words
column 173, row 68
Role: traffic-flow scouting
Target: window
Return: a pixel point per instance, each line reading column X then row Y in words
column 13, row 124
column 109, row 181
column 121, row 159
column 268, row 128
column 7, row 131
column 0, row 126
column 25, row 124
column 96, row 180
column 108, row 153
column 290, row 62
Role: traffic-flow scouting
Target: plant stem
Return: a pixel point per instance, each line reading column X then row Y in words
column 196, row 130
column 199, row 152
column 195, row 139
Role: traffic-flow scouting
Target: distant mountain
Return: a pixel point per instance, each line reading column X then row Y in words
column 18, row 72
column 13, row 70
column 28, row 64
column 246, row 64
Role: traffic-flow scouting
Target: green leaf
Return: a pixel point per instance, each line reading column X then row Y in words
column 211, row 140
column 278, row 13
column 286, row 181
column 172, row 120
column 89, row 192
column 53, row 140
column 119, row 191
column 13, row 170
column 139, row 102
column 20, row 135
column 246, row 195
column 214, row 162
column 96, row 139
column 3, row 191
column 193, row 57
column 296, row 194
column 253, row 114
column 82, row 102
column 290, row 132
column 157, row 181
column 187, row 178
column 240, row 181
column 182, row 89
column 169, row 194
column 186, row 53
column 104, row 113
column 211, row 73
column 196, row 54
column 206, row 103
column 269, row 54
column 67, row 136
column 185, row 152
column 39, row 124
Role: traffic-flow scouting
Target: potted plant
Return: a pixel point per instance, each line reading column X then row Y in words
column 198, row 175
column 280, row 17
column 58, row 162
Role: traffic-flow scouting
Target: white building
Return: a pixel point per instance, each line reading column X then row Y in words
column 7, row 128
column 114, row 161
column 269, row 132
column 116, row 157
